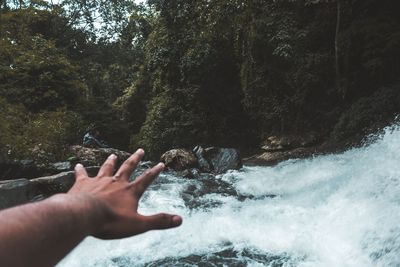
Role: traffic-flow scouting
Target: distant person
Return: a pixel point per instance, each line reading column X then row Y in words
column 92, row 139
column 42, row 233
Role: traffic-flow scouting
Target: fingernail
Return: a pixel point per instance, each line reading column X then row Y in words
column 78, row 166
column 140, row 151
column 176, row 220
column 112, row 156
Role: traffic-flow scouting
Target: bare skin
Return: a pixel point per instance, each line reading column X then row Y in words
column 42, row 233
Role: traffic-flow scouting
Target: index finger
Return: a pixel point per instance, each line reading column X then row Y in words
column 130, row 164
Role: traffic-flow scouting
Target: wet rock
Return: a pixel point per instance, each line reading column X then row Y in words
column 222, row 159
column 284, row 147
column 224, row 254
column 209, row 160
column 179, row 159
column 190, row 173
column 217, row 160
column 204, row 165
column 96, row 156
column 194, row 194
column 272, row 158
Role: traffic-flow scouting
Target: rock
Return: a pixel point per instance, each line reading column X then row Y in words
column 272, row 158
column 204, row 165
column 19, row 169
column 209, row 160
column 190, row 173
column 62, row 166
column 287, row 142
column 41, row 155
column 179, row 159
column 96, row 156
column 222, row 159
column 21, row 191
column 273, row 143
column 284, row 147
column 15, row 192
column 50, row 185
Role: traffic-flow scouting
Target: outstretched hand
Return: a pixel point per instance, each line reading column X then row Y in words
column 113, row 200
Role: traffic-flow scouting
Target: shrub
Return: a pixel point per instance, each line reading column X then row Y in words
column 42, row 137
column 368, row 115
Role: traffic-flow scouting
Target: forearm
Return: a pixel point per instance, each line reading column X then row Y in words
column 42, row 233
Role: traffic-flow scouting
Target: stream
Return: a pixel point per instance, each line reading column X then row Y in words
column 332, row 210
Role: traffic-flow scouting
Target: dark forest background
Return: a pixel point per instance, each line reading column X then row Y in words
column 176, row 73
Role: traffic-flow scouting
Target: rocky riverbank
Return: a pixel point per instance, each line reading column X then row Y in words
column 29, row 169
column 34, row 182
column 19, row 191
column 15, row 191
column 275, row 149
column 192, row 164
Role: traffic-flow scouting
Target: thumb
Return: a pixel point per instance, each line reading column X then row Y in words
column 162, row 221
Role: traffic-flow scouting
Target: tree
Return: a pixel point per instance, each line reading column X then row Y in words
column 33, row 71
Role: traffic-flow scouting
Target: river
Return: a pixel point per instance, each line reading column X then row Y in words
column 332, row 210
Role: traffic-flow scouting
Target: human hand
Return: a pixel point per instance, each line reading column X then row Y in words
column 112, row 201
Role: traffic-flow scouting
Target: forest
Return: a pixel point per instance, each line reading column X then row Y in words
column 176, row 73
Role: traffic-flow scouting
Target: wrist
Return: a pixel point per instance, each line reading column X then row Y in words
column 89, row 213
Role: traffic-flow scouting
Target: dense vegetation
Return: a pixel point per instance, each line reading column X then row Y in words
column 171, row 73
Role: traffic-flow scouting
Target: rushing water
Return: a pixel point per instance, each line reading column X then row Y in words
column 333, row 210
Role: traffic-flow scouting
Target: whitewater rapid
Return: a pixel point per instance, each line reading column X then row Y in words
column 332, row 210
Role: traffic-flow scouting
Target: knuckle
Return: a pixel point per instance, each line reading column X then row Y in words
column 107, row 164
column 164, row 216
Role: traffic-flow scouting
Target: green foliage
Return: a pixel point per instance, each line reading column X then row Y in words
column 168, row 124
column 132, row 105
column 41, row 136
column 33, row 71
column 180, row 73
column 101, row 114
column 368, row 114
column 12, row 121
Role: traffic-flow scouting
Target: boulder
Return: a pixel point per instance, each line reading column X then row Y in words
column 21, row 191
column 209, row 160
column 203, row 163
column 222, row 159
column 96, row 156
column 15, row 192
column 288, row 142
column 54, row 184
column 275, row 157
column 61, row 166
column 179, row 159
